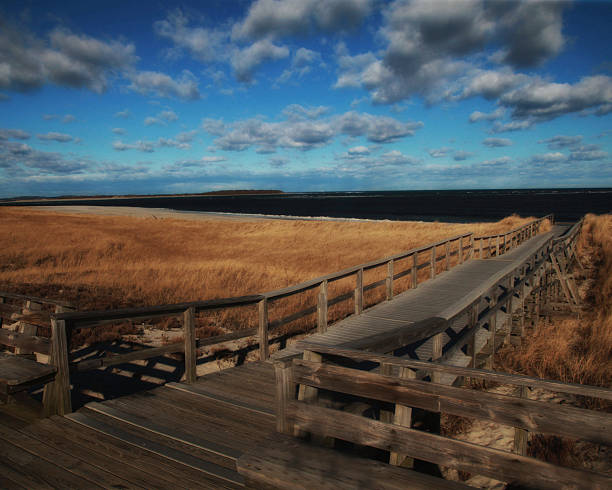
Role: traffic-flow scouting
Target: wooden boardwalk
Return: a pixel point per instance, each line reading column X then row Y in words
column 190, row 435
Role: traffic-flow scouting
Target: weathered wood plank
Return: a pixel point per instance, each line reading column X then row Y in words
column 532, row 415
column 190, row 345
column 475, row 459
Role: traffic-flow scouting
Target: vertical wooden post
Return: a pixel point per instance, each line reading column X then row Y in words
column 447, row 256
column 433, row 262
column 26, row 328
column 402, row 416
column 285, row 392
column 262, row 332
column 461, row 250
column 497, row 247
column 472, row 319
column 481, row 240
column 359, row 292
column 415, row 280
column 436, row 353
column 490, row 362
column 190, row 345
column 56, row 396
column 389, row 280
column 322, row 308
column 489, row 247
column 520, row 435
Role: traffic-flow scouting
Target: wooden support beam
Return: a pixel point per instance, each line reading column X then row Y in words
column 56, row 396
column 432, row 262
column 403, row 418
column 461, row 250
column 562, row 280
column 521, row 435
column 436, row 353
column 447, row 256
column 389, row 280
column 415, row 270
column 322, row 308
column 190, row 345
column 262, row 331
column 359, row 292
column 285, row 393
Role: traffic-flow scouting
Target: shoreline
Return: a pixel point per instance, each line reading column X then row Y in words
column 139, row 212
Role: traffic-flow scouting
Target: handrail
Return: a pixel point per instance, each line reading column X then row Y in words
column 34, row 299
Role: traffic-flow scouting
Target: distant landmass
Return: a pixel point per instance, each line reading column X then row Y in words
column 235, row 192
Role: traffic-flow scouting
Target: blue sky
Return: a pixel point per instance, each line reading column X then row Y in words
column 303, row 95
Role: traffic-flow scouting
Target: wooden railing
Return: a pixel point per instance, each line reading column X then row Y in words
column 433, row 258
column 386, row 386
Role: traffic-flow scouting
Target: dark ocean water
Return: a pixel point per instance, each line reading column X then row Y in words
column 566, row 204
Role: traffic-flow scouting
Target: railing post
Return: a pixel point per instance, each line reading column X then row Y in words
column 520, row 435
column 433, row 262
column 461, row 250
column 389, row 280
column 415, row 263
column 447, row 255
column 436, row 353
column 472, row 246
column 402, row 415
column 56, row 396
column 322, row 308
column 497, row 247
column 264, row 352
column 481, row 240
column 190, row 345
column 359, row 292
column 285, row 392
column 489, row 247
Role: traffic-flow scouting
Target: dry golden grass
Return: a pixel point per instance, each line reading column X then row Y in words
column 102, row 262
column 569, row 349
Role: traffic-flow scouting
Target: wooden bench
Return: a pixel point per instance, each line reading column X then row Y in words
column 19, row 374
column 313, row 394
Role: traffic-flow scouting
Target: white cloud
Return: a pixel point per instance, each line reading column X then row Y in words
column 118, row 131
column 560, row 141
column 17, row 134
column 496, row 142
column 245, row 61
column 276, row 18
column 157, row 83
column 53, row 136
column 487, row 116
column 439, row 152
column 124, row 114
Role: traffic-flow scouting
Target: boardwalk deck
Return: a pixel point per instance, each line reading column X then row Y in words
column 190, row 435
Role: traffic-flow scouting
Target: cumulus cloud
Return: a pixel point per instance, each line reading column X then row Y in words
column 276, row 18
column 68, row 118
column 124, row 114
column 161, row 118
column 278, row 162
column 587, row 153
column 461, row 155
column 497, row 162
column 157, row 83
column 500, row 127
column 539, row 100
column 118, row 131
column 145, row 146
column 204, row 44
column 20, row 159
column 16, row 134
column 496, row 142
column 487, row 116
column 547, row 158
column 53, row 136
column 299, row 112
column 64, row 58
column 439, row 152
column 560, row 141
column 245, row 61
column 306, row 133
column 428, row 47
column 301, row 64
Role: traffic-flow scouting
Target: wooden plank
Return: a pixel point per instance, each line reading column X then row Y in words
column 76, row 465
column 273, row 465
column 389, row 280
column 18, row 371
column 359, row 292
column 521, row 435
column 28, row 342
column 546, row 418
column 137, row 355
column 66, row 438
column 475, row 459
column 46, row 474
column 322, row 308
column 56, row 396
column 165, row 471
column 262, row 332
column 190, row 345
column 209, row 474
column 403, row 417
